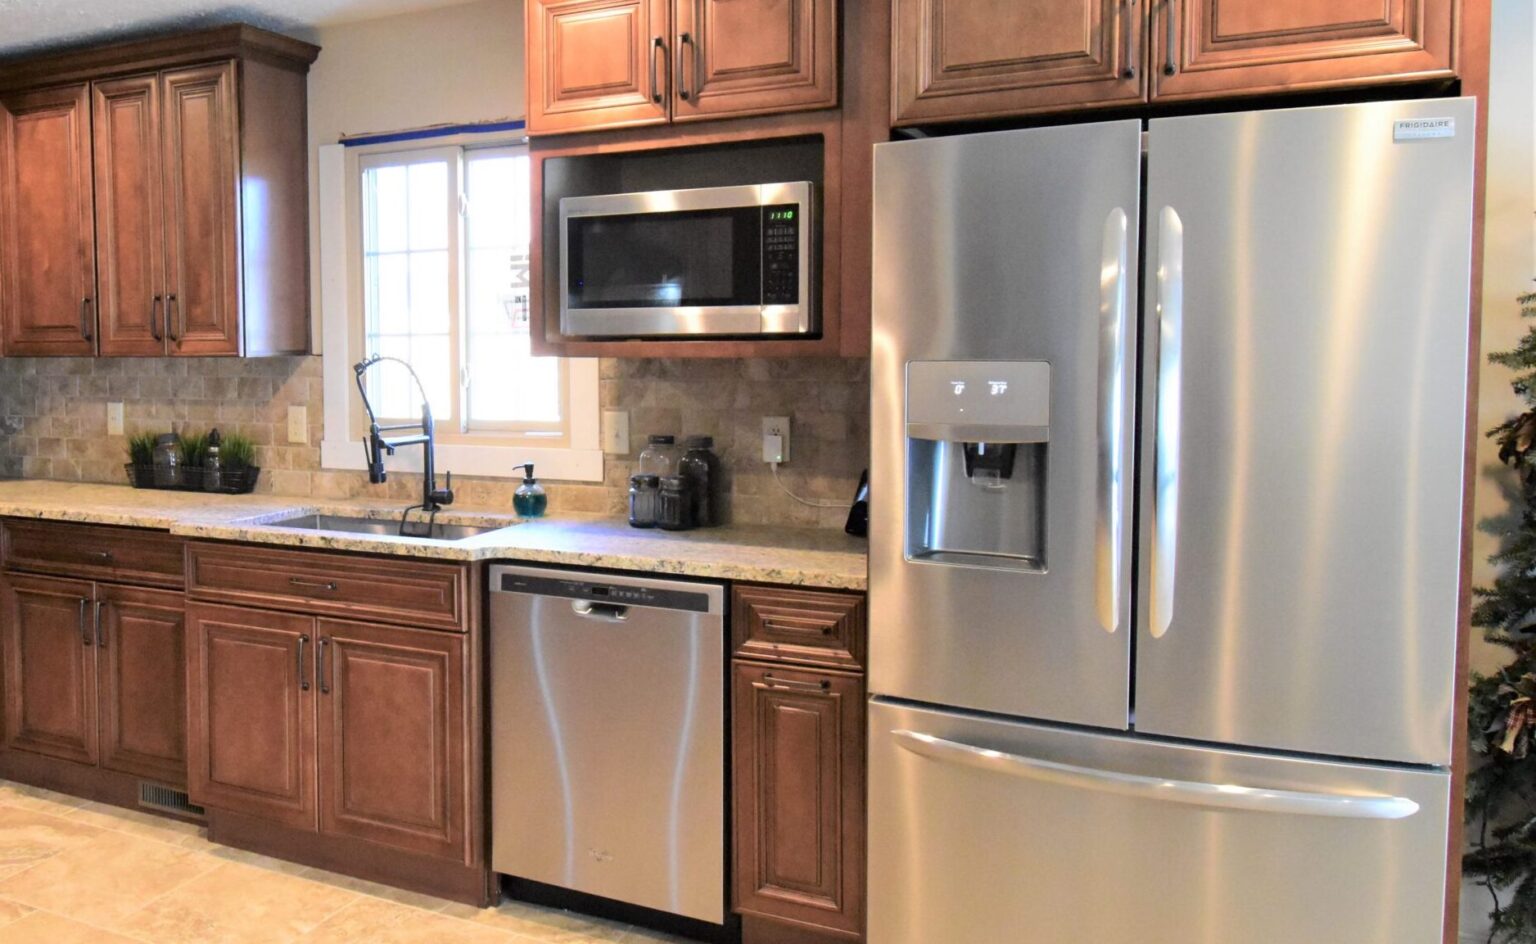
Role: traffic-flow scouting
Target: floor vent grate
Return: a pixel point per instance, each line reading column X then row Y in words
column 153, row 796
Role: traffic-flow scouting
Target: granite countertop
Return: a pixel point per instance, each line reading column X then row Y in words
column 796, row 556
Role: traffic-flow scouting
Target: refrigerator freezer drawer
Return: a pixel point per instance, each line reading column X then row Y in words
column 984, row 831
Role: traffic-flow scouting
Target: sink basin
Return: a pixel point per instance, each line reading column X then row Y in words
column 416, row 529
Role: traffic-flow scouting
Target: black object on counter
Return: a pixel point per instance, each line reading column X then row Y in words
column 858, row 515
column 642, row 501
column 701, row 467
column 674, row 507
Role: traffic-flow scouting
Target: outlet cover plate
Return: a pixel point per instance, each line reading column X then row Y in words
column 298, row 424
column 777, row 426
column 616, row 432
column 114, row 419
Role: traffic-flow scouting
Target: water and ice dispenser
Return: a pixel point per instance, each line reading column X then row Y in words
column 978, row 435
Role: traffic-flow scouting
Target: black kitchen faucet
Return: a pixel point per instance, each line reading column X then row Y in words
column 376, row 446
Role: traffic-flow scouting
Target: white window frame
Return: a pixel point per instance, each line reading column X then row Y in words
column 341, row 317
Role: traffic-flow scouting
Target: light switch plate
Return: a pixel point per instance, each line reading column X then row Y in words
column 114, row 419
column 616, row 432
column 298, row 424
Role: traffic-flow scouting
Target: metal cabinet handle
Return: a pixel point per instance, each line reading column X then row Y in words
column 325, row 642
column 1170, row 47
column 85, row 629
column 1127, row 36
column 172, row 313
column 657, row 45
column 303, row 678
column 156, row 308
column 101, row 632
column 85, row 318
column 1215, row 796
column 1109, row 531
column 796, row 685
column 684, row 43
column 100, row 555
column 1170, row 359
column 326, row 585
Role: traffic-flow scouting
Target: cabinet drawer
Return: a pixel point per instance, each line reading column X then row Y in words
column 807, row 626
column 416, row 593
column 132, row 555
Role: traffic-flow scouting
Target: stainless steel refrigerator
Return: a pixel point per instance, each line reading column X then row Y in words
column 1168, row 458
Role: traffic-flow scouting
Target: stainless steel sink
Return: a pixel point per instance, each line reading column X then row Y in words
column 415, row 529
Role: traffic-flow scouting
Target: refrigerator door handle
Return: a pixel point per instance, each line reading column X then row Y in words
column 1220, row 796
column 1112, row 304
column 1165, row 502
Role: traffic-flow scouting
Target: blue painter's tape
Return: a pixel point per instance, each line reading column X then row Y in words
column 443, row 132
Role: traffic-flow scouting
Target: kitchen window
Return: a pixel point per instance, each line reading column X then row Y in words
column 436, row 245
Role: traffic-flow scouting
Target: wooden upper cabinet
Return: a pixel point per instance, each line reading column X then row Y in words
column 47, row 649
column 47, row 247
column 392, row 737
column 597, row 64
column 971, row 59
column 141, row 668
column 1206, row 48
column 202, row 136
column 130, row 235
column 251, row 717
column 747, row 57
column 198, row 234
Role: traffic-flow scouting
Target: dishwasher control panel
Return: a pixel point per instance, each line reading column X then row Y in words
column 623, row 594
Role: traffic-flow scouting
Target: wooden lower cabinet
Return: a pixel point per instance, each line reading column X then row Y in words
column 252, row 719
column 50, row 667
column 140, row 654
column 347, row 729
column 798, row 769
column 392, row 736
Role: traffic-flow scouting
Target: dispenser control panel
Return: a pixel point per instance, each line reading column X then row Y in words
column 961, row 400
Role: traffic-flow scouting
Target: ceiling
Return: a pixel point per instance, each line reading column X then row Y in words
column 28, row 25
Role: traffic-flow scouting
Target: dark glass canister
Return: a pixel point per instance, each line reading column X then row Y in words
column 642, row 501
column 701, row 467
column 674, row 507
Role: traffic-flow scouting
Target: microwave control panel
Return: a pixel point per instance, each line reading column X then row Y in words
column 781, row 255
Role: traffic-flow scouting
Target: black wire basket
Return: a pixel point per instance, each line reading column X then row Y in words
column 191, row 478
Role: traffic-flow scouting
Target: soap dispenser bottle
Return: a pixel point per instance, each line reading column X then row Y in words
column 529, row 500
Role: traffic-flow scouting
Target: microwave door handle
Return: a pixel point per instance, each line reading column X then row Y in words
column 1211, row 796
column 1170, row 355
column 1110, row 528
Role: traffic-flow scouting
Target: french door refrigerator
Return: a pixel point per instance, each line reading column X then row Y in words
column 1168, row 453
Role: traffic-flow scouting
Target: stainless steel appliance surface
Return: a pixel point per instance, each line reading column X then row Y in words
column 710, row 261
column 607, row 736
column 1294, row 365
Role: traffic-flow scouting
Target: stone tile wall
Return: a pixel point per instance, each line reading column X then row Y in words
column 53, row 425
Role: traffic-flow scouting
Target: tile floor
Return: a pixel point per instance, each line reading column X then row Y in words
column 76, row 872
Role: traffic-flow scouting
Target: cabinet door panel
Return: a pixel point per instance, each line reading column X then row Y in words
column 130, row 237
column 201, row 135
column 48, row 269
column 251, row 727
column 597, row 64
column 50, row 667
column 746, row 57
column 969, row 59
column 799, row 795
column 141, row 658
column 392, row 721
column 1225, row 47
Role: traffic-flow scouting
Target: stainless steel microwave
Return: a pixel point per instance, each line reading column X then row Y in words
column 682, row 263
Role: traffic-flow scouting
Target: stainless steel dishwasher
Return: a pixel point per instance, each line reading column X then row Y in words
column 607, row 736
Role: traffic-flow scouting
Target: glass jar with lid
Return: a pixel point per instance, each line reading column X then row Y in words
column 701, row 467
column 660, row 456
column 674, row 503
column 642, row 501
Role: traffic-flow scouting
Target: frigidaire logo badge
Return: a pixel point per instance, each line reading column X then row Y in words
column 1417, row 129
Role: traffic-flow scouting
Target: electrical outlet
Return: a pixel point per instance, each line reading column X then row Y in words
column 114, row 419
column 776, row 439
column 616, row 432
column 298, row 424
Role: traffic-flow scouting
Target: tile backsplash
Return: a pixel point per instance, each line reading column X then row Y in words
column 53, row 425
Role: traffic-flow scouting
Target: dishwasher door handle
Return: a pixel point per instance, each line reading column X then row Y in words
column 607, row 612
